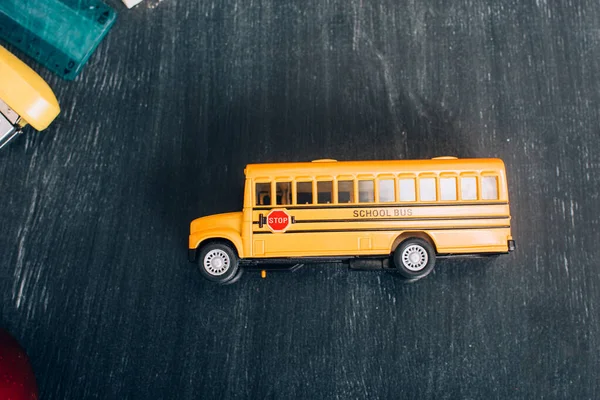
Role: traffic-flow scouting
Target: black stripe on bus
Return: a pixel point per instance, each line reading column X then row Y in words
column 395, row 229
column 410, row 219
column 367, row 205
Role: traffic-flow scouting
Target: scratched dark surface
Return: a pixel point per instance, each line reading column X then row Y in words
column 181, row 95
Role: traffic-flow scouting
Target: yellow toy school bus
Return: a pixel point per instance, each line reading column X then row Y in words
column 399, row 215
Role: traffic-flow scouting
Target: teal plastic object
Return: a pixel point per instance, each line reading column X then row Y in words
column 59, row 34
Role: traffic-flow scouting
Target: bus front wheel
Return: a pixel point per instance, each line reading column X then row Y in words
column 218, row 262
column 414, row 258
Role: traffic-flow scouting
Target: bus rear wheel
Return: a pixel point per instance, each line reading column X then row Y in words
column 414, row 258
column 218, row 262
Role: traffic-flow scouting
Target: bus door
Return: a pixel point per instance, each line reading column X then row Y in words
column 291, row 223
column 271, row 218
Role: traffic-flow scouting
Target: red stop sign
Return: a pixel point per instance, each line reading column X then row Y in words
column 278, row 220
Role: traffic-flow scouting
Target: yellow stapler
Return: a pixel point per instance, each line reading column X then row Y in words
column 25, row 98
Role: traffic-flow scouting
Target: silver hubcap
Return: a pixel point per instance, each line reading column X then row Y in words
column 414, row 257
column 216, row 262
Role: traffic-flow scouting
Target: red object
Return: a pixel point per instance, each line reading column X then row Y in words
column 17, row 380
column 278, row 220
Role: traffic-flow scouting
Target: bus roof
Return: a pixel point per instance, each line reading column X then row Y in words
column 327, row 167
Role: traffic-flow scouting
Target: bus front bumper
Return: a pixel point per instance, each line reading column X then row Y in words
column 192, row 255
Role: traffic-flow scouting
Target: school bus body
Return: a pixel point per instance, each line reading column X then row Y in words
column 460, row 206
column 337, row 232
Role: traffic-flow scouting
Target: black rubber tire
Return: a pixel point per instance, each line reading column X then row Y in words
column 404, row 269
column 227, row 254
column 235, row 278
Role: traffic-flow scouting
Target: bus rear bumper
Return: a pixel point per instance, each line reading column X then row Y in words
column 511, row 245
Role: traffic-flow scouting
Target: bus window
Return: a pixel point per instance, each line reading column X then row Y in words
column 263, row 194
column 386, row 190
column 345, row 191
column 427, row 189
column 284, row 193
column 489, row 188
column 366, row 191
column 448, row 188
column 468, row 188
column 304, row 193
column 324, row 192
column 407, row 190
